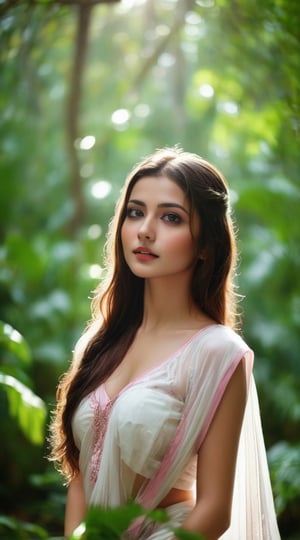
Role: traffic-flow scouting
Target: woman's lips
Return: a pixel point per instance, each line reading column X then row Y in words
column 144, row 254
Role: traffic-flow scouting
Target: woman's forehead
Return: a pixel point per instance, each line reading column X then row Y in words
column 153, row 186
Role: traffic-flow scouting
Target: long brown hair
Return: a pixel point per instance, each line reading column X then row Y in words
column 117, row 306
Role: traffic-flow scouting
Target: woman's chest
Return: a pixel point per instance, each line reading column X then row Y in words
column 153, row 403
column 147, row 354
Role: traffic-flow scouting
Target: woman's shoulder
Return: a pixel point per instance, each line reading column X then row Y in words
column 219, row 338
column 215, row 351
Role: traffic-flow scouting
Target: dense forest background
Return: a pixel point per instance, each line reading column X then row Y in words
column 86, row 89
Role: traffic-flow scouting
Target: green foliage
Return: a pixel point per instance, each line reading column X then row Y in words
column 26, row 412
column 28, row 409
column 284, row 460
column 219, row 78
column 187, row 535
column 25, row 406
column 12, row 341
column 111, row 524
column 15, row 529
column 108, row 524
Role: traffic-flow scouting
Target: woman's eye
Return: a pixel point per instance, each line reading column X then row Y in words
column 172, row 218
column 134, row 212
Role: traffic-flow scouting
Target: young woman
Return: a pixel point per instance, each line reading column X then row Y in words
column 159, row 404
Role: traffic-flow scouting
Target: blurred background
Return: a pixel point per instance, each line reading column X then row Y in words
column 87, row 88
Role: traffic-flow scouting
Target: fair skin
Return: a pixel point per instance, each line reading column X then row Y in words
column 158, row 238
column 75, row 505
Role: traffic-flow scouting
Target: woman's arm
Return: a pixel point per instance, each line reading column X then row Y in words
column 216, row 462
column 75, row 506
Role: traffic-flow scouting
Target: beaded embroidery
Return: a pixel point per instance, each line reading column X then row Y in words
column 100, row 421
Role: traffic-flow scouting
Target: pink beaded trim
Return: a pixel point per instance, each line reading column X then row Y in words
column 100, row 421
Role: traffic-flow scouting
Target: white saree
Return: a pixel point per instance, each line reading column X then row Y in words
column 145, row 441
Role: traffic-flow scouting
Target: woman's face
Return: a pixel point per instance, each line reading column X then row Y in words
column 159, row 236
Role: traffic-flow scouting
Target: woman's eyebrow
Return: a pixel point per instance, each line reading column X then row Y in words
column 161, row 205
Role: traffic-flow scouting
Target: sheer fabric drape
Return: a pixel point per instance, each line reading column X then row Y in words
column 142, row 443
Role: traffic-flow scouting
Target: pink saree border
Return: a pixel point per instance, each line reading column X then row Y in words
column 146, row 498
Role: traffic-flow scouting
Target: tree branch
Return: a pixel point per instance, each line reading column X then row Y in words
column 174, row 29
column 73, row 106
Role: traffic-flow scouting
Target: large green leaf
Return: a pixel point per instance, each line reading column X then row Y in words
column 109, row 524
column 13, row 341
column 28, row 409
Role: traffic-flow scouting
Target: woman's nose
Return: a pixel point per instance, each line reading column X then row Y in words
column 146, row 231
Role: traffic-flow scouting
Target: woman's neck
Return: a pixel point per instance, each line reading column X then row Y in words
column 167, row 307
